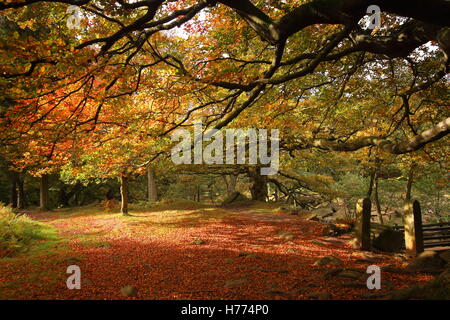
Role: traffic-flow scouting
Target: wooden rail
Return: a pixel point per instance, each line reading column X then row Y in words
column 419, row 237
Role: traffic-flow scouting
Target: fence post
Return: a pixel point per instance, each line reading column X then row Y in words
column 412, row 220
column 362, row 228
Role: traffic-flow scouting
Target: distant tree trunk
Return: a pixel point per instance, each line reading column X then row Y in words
column 124, row 194
column 21, row 200
column 13, row 189
column 258, row 189
column 63, row 197
column 110, row 194
column 230, row 182
column 198, row 193
column 377, row 201
column 44, row 186
column 372, row 180
column 151, row 185
column 410, row 183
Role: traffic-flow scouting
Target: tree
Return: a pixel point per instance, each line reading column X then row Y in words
column 151, row 185
column 302, row 47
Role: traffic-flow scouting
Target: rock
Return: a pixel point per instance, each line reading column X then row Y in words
column 323, row 212
column 337, row 229
column 340, row 214
column 405, row 293
column 235, row 283
column 322, row 205
column 389, row 240
column 321, row 295
column 128, row 291
column 354, row 243
column 198, row 241
column 332, row 273
column 328, row 260
column 392, row 269
column 436, row 289
column 427, row 261
column 351, row 274
column 286, row 235
column 445, row 255
column 311, row 217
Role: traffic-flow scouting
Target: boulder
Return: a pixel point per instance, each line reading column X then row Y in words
column 389, row 240
column 312, row 217
column 286, row 235
column 436, row 289
column 337, row 229
column 198, row 241
column 323, row 212
column 340, row 214
column 428, row 262
column 328, row 260
column 445, row 255
column 128, row 291
column 392, row 269
column 351, row 274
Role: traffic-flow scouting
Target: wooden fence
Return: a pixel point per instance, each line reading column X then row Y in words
column 418, row 237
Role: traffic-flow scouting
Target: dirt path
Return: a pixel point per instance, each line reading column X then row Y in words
column 193, row 254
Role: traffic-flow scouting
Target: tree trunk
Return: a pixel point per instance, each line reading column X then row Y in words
column 372, row 179
column 44, row 186
column 230, row 182
column 21, row 200
column 198, row 193
column 13, row 190
column 377, row 201
column 410, row 183
column 63, row 197
column 151, row 185
column 124, row 194
column 259, row 186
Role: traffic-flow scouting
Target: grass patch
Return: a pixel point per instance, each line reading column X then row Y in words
column 163, row 222
column 23, row 234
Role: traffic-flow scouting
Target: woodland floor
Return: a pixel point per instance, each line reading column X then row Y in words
column 242, row 257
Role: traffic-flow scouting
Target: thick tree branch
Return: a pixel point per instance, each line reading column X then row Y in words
column 413, row 144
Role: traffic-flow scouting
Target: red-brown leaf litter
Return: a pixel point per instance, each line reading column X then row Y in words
column 192, row 254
